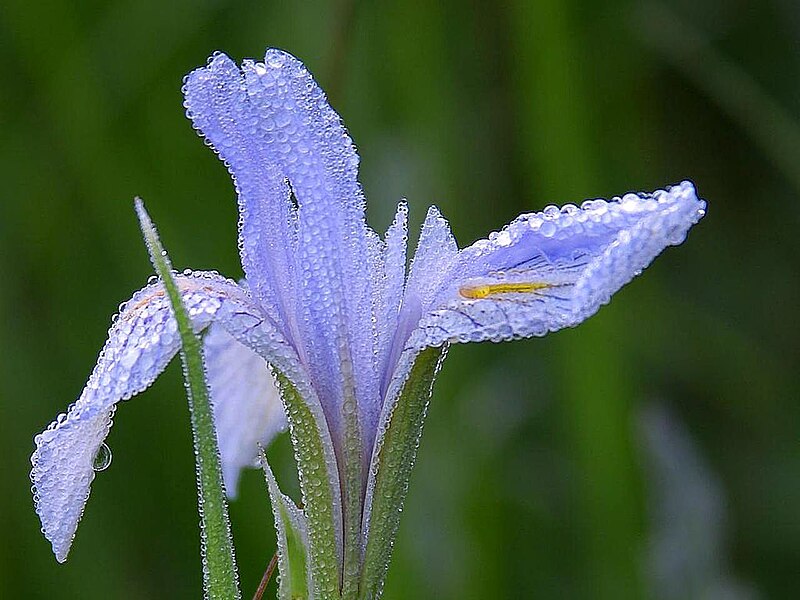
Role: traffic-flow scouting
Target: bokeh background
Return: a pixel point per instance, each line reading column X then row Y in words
column 651, row 453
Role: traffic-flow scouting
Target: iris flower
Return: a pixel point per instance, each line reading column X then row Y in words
column 330, row 308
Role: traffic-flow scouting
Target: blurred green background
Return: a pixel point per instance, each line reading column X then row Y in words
column 651, row 453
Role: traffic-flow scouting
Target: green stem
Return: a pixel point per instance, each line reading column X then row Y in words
column 220, row 580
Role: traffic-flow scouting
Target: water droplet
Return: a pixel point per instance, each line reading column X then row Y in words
column 548, row 229
column 102, row 459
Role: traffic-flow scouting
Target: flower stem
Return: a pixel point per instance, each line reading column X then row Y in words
column 262, row 587
column 220, row 580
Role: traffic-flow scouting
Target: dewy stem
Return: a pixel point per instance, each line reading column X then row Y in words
column 220, row 581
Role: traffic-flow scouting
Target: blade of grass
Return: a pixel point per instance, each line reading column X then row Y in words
column 220, row 579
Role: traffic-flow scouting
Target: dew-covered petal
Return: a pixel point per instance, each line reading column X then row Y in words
column 141, row 341
column 391, row 287
column 436, row 252
column 554, row 269
column 369, row 404
column 273, row 126
column 585, row 254
column 309, row 145
column 262, row 338
column 218, row 104
column 434, row 258
column 246, row 402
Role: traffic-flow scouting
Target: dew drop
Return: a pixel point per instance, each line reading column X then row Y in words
column 102, row 459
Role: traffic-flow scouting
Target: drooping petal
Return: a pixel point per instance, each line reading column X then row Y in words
column 311, row 438
column 219, row 107
column 141, row 341
column 247, row 404
column 544, row 271
column 554, row 269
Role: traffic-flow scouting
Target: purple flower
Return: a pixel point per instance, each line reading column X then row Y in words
column 327, row 302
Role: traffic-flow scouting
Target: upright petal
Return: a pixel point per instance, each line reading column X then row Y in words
column 218, row 104
column 247, row 404
column 369, row 404
column 273, row 126
column 334, row 289
column 436, row 252
column 141, row 341
column 392, row 286
column 553, row 269
column 311, row 148
column 433, row 260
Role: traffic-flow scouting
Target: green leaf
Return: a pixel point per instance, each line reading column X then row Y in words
column 292, row 533
column 315, row 484
column 395, row 460
column 220, row 579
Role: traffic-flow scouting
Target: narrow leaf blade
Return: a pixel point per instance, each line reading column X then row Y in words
column 220, row 579
column 292, row 534
column 395, row 461
column 315, row 484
